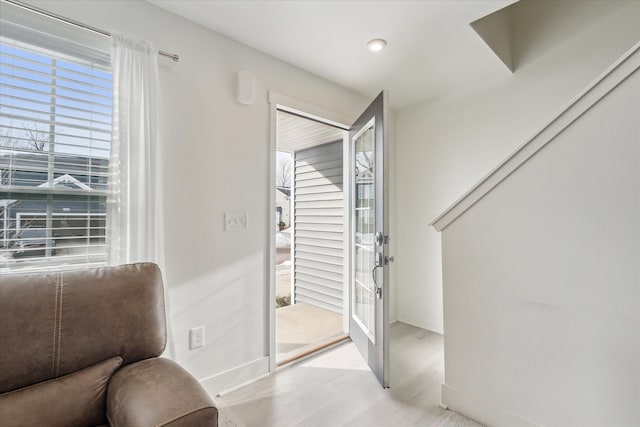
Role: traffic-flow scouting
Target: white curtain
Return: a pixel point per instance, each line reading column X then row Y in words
column 134, row 208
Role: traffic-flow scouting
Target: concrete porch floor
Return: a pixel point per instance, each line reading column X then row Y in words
column 301, row 327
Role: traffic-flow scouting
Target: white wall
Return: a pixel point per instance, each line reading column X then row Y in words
column 216, row 158
column 542, row 281
column 447, row 145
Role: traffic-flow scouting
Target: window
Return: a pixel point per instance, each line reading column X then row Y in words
column 55, row 137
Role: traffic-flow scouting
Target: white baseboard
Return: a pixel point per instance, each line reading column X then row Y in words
column 480, row 410
column 225, row 381
column 429, row 323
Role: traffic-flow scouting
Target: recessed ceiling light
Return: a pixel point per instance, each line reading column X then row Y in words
column 376, row 45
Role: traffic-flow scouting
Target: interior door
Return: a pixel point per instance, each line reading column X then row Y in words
column 369, row 285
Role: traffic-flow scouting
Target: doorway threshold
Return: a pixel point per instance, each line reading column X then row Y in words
column 313, row 348
column 301, row 327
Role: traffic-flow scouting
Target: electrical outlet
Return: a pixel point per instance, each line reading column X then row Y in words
column 196, row 337
column 236, row 221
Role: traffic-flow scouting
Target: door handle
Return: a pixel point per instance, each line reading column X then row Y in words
column 379, row 263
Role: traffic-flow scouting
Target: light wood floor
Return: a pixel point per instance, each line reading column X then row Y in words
column 336, row 388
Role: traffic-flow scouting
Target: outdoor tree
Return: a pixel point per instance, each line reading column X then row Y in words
column 283, row 173
column 364, row 162
column 34, row 139
column 37, row 139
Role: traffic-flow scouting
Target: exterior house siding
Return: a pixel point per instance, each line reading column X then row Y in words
column 319, row 225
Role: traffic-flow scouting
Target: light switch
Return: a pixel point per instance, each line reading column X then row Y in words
column 196, row 337
column 236, row 221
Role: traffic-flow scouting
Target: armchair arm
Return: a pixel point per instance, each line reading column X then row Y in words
column 158, row 392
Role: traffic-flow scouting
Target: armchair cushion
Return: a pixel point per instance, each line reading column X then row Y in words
column 76, row 399
column 158, row 392
column 75, row 319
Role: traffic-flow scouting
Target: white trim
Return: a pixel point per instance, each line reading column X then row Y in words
column 487, row 413
column 231, row 379
column 271, row 238
column 242, row 385
column 592, row 94
column 67, row 179
column 370, row 124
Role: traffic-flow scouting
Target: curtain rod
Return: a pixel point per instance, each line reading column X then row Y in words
column 44, row 12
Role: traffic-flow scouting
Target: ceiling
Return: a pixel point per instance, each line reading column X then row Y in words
column 431, row 48
column 295, row 133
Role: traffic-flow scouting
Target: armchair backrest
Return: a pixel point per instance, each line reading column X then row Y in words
column 53, row 324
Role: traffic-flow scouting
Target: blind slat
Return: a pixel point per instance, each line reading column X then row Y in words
column 60, row 107
column 14, row 191
column 30, row 110
column 60, row 61
column 67, row 135
column 59, row 123
column 58, row 76
column 50, row 85
column 54, row 95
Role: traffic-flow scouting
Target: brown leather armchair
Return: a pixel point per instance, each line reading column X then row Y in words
column 81, row 348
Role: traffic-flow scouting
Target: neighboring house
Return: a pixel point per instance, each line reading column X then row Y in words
column 283, row 205
column 71, row 215
column 31, row 169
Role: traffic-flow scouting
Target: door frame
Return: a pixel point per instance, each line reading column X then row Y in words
column 306, row 110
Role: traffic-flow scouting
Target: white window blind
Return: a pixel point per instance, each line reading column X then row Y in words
column 55, row 136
